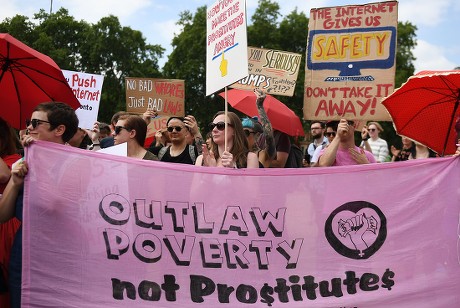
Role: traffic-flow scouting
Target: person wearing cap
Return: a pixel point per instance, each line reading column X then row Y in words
column 342, row 150
column 260, row 135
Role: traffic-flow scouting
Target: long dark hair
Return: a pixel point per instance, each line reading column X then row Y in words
column 240, row 148
column 7, row 139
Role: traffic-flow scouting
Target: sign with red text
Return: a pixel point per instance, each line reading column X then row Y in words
column 108, row 231
column 226, row 44
column 166, row 96
column 87, row 89
column 350, row 63
column 156, row 124
column 273, row 71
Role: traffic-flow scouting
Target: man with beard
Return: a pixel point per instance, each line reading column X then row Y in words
column 317, row 133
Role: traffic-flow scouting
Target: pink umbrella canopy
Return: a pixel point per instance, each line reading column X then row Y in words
column 281, row 116
column 28, row 78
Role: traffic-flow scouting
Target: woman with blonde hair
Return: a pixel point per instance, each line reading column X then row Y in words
column 237, row 154
column 378, row 146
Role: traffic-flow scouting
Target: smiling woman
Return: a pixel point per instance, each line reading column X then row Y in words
column 237, row 154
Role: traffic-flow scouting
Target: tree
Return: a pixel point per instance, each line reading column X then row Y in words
column 264, row 30
column 188, row 62
column 404, row 56
column 104, row 48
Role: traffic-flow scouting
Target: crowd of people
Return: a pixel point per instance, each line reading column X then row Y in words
column 231, row 143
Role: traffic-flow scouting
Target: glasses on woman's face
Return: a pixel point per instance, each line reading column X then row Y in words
column 330, row 134
column 247, row 132
column 372, row 129
column 119, row 128
column 172, row 128
column 218, row 125
column 35, row 122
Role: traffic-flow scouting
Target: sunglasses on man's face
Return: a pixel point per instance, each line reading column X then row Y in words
column 172, row 128
column 247, row 132
column 330, row 134
column 119, row 128
column 35, row 122
column 218, row 125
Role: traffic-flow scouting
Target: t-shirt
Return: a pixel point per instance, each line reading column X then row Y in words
column 182, row 158
column 312, row 148
column 150, row 156
column 379, row 148
column 344, row 158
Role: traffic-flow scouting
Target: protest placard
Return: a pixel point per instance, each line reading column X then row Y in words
column 350, row 61
column 226, row 44
column 273, row 71
column 109, row 233
column 87, row 88
column 166, row 96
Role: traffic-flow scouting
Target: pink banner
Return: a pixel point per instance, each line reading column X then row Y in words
column 108, row 231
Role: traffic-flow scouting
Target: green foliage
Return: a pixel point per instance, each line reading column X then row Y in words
column 404, row 56
column 105, row 48
column 188, row 62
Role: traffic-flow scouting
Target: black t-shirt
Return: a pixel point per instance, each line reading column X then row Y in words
column 182, row 158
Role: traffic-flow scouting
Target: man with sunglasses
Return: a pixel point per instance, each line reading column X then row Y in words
column 53, row 122
column 180, row 151
column 342, row 150
column 331, row 132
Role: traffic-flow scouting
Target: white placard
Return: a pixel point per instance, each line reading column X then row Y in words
column 87, row 88
column 226, row 44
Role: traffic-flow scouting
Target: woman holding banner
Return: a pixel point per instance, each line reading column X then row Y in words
column 237, row 154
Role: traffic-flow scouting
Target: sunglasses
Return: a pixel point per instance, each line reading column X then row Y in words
column 119, row 128
column 35, row 122
column 172, row 128
column 219, row 125
column 247, row 132
column 330, row 134
column 372, row 129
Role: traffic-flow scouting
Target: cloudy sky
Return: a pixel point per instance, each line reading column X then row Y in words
column 437, row 21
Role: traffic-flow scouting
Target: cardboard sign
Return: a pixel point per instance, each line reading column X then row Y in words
column 226, row 44
column 122, row 232
column 350, row 63
column 273, row 71
column 87, row 89
column 166, row 96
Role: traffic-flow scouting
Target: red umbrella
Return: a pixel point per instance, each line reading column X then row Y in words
column 28, row 78
column 281, row 117
column 425, row 107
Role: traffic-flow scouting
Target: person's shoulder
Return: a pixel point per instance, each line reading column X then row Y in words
column 150, row 156
column 107, row 142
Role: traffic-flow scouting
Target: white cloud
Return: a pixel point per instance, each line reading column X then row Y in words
column 431, row 57
column 93, row 11
column 424, row 12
